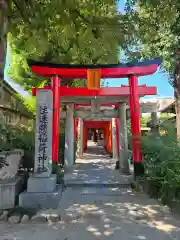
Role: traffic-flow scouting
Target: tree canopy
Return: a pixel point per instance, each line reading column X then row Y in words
column 78, row 31
column 156, row 31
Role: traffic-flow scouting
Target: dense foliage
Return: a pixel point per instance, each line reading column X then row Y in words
column 63, row 32
column 23, row 137
column 156, row 30
column 161, row 18
column 57, row 31
column 18, row 137
column 162, row 164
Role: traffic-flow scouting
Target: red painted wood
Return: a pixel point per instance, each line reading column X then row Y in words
column 105, row 137
column 142, row 85
column 125, row 91
column 85, row 136
column 111, row 91
column 115, row 71
column 76, row 120
column 55, row 81
column 107, row 130
column 118, row 72
column 103, row 105
column 117, row 135
column 135, row 119
column 110, row 137
column 96, row 124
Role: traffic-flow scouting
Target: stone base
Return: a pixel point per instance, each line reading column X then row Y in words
column 41, row 200
column 42, row 174
column 9, row 191
column 38, row 184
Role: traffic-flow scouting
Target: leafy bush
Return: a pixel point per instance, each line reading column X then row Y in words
column 21, row 137
column 162, row 166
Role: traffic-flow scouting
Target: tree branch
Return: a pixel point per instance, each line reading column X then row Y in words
column 20, row 11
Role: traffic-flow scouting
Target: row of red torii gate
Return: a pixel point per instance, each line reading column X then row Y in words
column 91, row 107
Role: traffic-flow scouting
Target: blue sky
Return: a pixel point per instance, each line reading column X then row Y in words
column 159, row 79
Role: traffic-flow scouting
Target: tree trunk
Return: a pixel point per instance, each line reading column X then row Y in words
column 5, row 6
column 177, row 97
column 4, row 10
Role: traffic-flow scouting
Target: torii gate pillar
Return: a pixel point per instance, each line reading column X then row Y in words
column 55, row 84
column 135, row 126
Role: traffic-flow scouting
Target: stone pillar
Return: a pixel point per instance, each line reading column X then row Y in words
column 80, row 138
column 43, row 141
column 69, row 136
column 123, row 154
column 114, row 139
column 154, row 123
column 42, row 191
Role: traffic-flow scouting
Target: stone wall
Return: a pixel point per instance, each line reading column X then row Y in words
column 11, row 185
column 12, row 109
column 10, row 162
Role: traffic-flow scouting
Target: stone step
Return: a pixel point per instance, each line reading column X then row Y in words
column 41, row 200
column 104, row 191
column 97, row 184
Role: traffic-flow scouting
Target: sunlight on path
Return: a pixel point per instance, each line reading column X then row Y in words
column 99, row 211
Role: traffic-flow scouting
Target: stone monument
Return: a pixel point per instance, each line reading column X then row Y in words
column 42, row 190
column 43, row 141
column 10, row 183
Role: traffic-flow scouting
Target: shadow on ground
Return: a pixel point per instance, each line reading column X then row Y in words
column 84, row 215
column 99, row 211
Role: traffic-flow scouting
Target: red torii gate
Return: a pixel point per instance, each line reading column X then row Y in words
column 105, row 126
column 96, row 124
column 123, row 90
column 132, row 71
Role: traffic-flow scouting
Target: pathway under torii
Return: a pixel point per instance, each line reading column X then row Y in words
column 118, row 98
